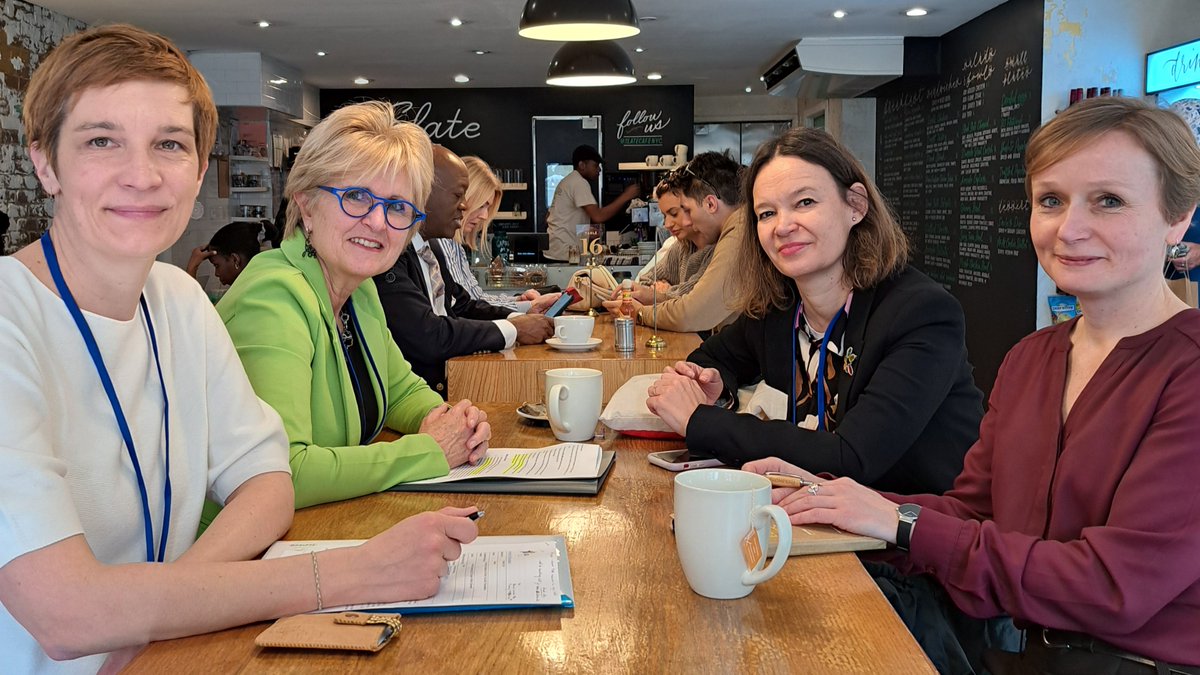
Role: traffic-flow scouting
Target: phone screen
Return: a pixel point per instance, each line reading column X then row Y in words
column 675, row 456
column 570, row 295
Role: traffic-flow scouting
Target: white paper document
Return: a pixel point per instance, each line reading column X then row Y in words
column 491, row 573
column 554, row 462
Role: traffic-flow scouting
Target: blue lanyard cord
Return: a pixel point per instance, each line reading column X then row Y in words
column 358, row 334
column 822, row 354
column 98, row 361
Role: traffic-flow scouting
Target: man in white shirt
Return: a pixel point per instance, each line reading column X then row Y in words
column 574, row 203
column 430, row 316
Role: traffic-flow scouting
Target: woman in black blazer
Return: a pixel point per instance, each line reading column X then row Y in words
column 825, row 282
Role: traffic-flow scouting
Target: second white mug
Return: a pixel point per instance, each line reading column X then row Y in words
column 573, row 397
column 574, row 330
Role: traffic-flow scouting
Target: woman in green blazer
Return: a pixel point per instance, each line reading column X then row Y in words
column 312, row 335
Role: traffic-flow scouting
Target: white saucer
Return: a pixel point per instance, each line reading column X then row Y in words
column 558, row 344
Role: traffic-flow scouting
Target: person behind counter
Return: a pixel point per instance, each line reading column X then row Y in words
column 870, row 352
column 101, row 492
column 481, row 202
column 710, row 197
column 1076, row 512
column 574, row 203
column 310, row 329
column 431, row 317
column 232, row 247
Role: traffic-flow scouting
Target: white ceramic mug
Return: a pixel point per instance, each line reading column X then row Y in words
column 573, row 397
column 651, row 160
column 667, row 160
column 574, row 330
column 714, row 511
column 681, row 154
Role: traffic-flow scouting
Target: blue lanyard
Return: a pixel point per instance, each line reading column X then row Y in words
column 822, row 354
column 94, row 350
column 358, row 334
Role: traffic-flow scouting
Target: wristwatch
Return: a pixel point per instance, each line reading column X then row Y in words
column 908, row 522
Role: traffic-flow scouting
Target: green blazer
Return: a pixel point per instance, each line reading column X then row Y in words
column 280, row 317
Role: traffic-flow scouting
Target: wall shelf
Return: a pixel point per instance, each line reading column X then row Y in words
column 514, row 186
column 511, row 215
column 642, row 166
column 240, row 219
column 250, row 189
column 247, row 158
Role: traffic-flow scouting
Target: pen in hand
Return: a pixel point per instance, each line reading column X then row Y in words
column 790, row 480
column 477, row 515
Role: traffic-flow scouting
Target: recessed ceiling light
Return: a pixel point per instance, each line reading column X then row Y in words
column 639, row 49
column 839, row 14
column 748, row 90
column 361, row 80
column 264, row 24
column 481, row 52
column 279, row 80
column 455, row 21
column 461, row 79
column 917, row 11
column 647, row 18
column 320, row 53
column 653, row 76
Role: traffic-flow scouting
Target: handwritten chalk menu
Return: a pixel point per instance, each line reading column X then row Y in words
column 950, row 160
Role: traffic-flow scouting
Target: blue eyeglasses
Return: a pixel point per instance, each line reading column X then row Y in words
column 357, row 202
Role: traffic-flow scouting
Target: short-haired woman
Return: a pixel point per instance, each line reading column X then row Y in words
column 870, row 352
column 123, row 402
column 1077, row 511
column 310, row 330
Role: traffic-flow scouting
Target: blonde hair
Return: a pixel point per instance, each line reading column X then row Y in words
column 107, row 56
column 482, row 186
column 363, row 140
column 1161, row 133
column 875, row 249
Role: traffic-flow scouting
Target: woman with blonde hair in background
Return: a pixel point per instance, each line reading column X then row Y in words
column 471, row 242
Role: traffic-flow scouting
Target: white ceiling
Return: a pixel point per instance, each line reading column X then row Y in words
column 720, row 46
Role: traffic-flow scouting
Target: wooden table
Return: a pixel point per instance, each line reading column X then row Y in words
column 634, row 611
column 512, row 375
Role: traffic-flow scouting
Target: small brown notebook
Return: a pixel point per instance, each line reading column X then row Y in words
column 810, row 539
column 354, row 631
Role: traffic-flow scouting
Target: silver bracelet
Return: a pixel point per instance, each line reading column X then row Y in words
column 317, row 580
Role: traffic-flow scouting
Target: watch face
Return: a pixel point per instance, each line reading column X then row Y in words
column 909, row 510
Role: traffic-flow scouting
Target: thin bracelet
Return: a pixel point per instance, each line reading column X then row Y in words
column 317, row 580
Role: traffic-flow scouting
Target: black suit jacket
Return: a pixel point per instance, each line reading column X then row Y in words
column 426, row 339
column 905, row 419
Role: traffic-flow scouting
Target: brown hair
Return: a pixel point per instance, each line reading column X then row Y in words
column 875, row 250
column 363, row 139
column 1161, row 133
column 103, row 57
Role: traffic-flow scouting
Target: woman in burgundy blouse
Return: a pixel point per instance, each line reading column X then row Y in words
column 1077, row 511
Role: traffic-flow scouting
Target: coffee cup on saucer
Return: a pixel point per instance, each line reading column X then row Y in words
column 574, row 330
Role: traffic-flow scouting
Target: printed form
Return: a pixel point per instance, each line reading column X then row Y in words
column 491, row 572
column 554, row 462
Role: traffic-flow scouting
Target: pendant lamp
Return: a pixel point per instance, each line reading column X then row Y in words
column 578, row 20
column 590, row 64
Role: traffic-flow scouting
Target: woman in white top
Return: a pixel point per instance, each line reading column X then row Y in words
column 482, row 203
column 124, row 403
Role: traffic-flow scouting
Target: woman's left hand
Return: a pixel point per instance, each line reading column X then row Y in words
column 478, row 442
column 674, row 398
column 542, row 303
column 846, row 505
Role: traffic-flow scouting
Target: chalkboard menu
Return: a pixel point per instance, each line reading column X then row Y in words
column 950, row 160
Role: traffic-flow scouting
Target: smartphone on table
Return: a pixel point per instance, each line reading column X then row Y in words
column 681, row 460
column 569, row 297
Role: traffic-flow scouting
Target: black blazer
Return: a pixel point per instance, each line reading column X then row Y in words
column 426, row 339
column 904, row 419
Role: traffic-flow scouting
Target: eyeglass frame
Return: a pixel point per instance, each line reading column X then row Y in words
column 418, row 214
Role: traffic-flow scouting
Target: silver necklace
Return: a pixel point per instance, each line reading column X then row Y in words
column 347, row 335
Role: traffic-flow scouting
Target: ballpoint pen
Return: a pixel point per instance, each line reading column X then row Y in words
column 477, row 515
column 781, row 479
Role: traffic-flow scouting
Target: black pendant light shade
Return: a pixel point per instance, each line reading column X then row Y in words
column 578, row 20
column 590, row 64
